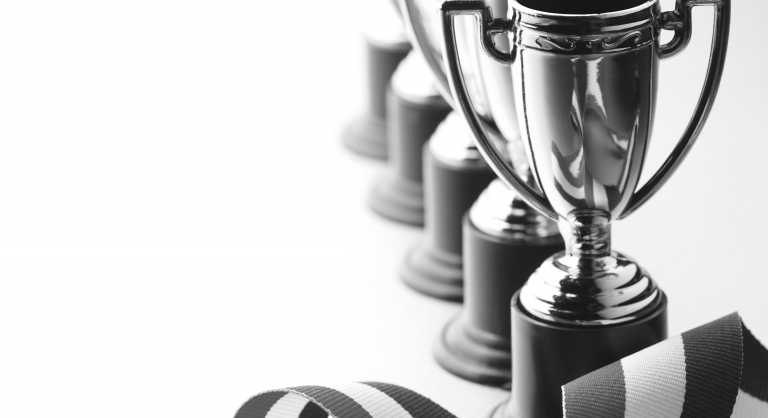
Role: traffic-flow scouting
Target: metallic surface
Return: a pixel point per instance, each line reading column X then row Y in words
column 588, row 284
column 585, row 91
column 452, row 143
column 500, row 212
column 422, row 23
column 412, row 81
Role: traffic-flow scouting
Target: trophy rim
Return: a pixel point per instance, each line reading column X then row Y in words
column 515, row 5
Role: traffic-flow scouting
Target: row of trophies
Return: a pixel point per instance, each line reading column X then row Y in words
column 516, row 132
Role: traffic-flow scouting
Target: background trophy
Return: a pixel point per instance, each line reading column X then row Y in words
column 414, row 109
column 504, row 240
column 585, row 76
column 385, row 46
column 454, row 175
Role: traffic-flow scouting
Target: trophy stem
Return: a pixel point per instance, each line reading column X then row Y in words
column 588, row 284
column 587, row 234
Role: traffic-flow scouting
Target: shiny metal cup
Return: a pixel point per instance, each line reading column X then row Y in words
column 584, row 90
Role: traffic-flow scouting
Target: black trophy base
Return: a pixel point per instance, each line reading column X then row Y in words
column 473, row 354
column 398, row 199
column 452, row 184
column 434, row 272
column 367, row 136
column 412, row 117
column 546, row 356
column 476, row 346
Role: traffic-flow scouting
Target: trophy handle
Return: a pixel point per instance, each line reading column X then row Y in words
column 418, row 32
column 680, row 21
column 488, row 27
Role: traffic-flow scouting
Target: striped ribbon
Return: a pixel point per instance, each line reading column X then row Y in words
column 718, row 370
column 354, row 400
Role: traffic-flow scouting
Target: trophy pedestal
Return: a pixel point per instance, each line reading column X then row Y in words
column 366, row 135
column 454, row 176
column 414, row 109
column 476, row 345
column 385, row 46
column 546, row 356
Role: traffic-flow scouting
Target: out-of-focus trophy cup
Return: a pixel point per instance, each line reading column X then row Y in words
column 584, row 75
column 386, row 45
column 504, row 239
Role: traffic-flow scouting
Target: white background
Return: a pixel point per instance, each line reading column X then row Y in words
column 180, row 227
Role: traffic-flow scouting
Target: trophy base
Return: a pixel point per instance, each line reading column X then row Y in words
column 454, row 177
column 398, row 199
column 434, row 272
column 476, row 346
column 414, row 109
column 546, row 356
column 367, row 136
column 473, row 354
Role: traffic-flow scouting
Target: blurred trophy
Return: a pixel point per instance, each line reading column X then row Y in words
column 585, row 75
column 454, row 175
column 386, row 46
column 414, row 110
column 504, row 240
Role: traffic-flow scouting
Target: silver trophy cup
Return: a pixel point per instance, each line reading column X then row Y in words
column 584, row 77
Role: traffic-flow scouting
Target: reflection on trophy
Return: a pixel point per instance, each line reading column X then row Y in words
column 386, row 46
column 504, row 239
column 585, row 76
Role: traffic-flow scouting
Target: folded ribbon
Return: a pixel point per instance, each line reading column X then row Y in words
column 354, row 400
column 717, row 370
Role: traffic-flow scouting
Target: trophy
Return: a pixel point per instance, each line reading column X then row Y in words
column 584, row 76
column 385, row 46
column 414, row 110
column 454, row 176
column 504, row 240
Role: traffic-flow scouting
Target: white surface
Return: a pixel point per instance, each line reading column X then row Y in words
column 180, row 227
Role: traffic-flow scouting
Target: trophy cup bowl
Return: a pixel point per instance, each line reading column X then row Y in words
column 585, row 76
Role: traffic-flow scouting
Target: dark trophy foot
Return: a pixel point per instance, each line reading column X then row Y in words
column 434, row 272
column 367, row 136
column 398, row 199
column 473, row 354
column 547, row 355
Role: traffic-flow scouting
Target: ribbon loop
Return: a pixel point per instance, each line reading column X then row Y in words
column 354, row 400
column 717, row 370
